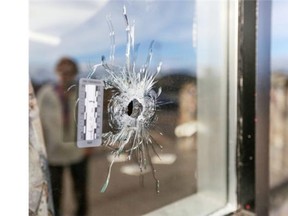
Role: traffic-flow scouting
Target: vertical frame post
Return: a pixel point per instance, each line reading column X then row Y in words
column 253, row 105
column 263, row 75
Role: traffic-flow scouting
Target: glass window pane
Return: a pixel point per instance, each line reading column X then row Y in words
column 190, row 123
column 278, row 149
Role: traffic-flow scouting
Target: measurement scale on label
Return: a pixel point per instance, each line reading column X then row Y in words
column 90, row 113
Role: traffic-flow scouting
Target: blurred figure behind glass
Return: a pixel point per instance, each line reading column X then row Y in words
column 57, row 115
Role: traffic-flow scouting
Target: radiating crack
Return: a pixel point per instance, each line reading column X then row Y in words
column 132, row 108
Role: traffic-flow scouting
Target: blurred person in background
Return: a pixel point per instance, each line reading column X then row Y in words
column 57, row 107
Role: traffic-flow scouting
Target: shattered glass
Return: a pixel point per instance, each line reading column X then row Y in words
column 132, row 108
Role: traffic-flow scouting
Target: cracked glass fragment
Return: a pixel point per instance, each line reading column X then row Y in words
column 132, row 107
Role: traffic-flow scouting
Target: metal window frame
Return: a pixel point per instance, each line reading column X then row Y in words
column 253, row 105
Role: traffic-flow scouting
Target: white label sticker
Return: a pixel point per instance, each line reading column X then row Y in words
column 90, row 113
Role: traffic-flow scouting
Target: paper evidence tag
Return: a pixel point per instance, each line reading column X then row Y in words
column 90, row 113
